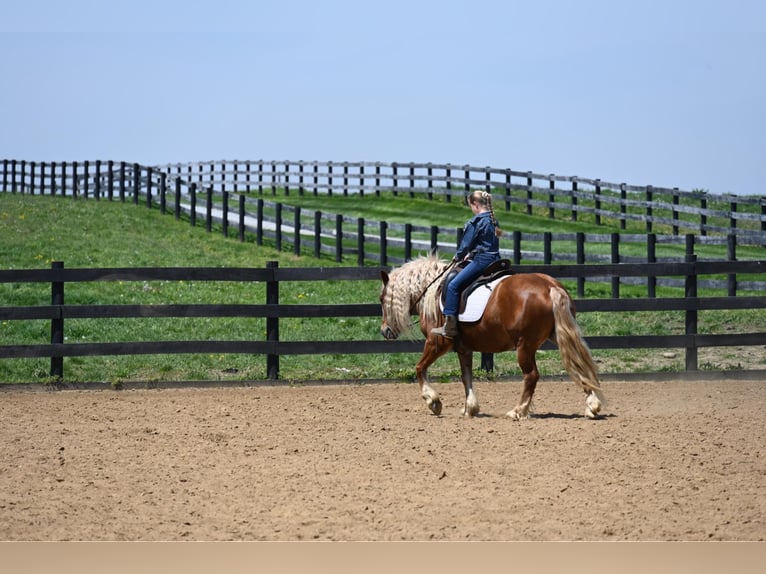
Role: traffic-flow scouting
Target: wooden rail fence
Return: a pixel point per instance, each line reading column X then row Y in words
column 273, row 310
column 683, row 211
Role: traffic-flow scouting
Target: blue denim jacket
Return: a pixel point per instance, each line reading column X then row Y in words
column 478, row 237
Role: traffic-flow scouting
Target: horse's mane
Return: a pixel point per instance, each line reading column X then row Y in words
column 405, row 285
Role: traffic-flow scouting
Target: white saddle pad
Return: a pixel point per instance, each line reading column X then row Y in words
column 477, row 301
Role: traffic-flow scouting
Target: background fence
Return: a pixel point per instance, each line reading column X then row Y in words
column 233, row 196
column 682, row 211
column 272, row 348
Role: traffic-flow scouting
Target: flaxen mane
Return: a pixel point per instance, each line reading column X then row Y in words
column 405, row 285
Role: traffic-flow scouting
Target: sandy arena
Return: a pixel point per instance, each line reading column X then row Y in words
column 669, row 461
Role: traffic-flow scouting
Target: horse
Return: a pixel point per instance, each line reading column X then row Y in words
column 523, row 311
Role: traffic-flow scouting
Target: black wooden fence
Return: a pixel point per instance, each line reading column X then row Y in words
column 682, row 211
column 272, row 348
column 342, row 237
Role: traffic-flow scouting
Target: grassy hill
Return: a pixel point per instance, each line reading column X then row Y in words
column 38, row 230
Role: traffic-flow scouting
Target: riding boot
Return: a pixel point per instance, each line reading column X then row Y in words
column 449, row 329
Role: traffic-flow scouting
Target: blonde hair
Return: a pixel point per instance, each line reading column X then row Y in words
column 484, row 198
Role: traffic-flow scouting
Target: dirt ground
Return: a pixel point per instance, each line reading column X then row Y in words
column 669, row 461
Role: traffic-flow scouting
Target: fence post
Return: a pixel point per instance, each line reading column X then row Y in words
column 649, row 211
column 242, row 217
column 13, row 175
column 272, row 323
column 209, row 210
column 508, row 191
column 345, row 178
column 383, row 244
column 63, row 179
column 32, row 177
column 574, row 198
column 317, row 234
column 75, row 182
column 42, row 178
column 97, row 182
column 225, row 215
column 110, row 179
column 580, row 261
column 149, row 172
column 395, row 178
column 615, row 259
column 598, row 202
column 551, row 197
column 53, row 178
column 338, row 238
column 360, row 242
column 5, row 175
column 177, row 206
column 122, row 181
column 278, row 227
column 651, row 257
column 259, row 222
column 430, row 181
column 691, row 293
column 623, row 206
column 675, row 202
column 86, row 177
column 57, row 324
column 163, row 193
column 731, row 242
column 516, row 247
column 407, row 241
column 297, row 231
column 136, row 182
column 547, row 247
column 193, row 204
column 434, row 237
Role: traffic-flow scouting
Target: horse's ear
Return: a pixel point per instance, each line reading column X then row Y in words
column 384, row 277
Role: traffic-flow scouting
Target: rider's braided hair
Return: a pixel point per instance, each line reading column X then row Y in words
column 485, row 198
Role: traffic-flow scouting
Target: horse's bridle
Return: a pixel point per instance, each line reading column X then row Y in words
column 447, row 268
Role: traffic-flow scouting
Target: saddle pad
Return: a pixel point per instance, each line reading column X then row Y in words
column 477, row 301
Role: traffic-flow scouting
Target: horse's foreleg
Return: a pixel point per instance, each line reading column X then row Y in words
column 431, row 352
column 471, row 408
column 528, row 364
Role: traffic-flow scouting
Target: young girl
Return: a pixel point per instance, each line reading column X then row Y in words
column 481, row 247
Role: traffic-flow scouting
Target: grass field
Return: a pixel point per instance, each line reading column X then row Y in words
column 38, row 230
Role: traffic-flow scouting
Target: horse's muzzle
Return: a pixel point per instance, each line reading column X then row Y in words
column 388, row 334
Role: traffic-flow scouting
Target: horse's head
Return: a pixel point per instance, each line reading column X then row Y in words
column 408, row 291
column 385, row 329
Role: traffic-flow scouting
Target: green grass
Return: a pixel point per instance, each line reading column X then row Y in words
column 38, row 230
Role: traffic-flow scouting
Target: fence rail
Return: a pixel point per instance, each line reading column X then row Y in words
column 272, row 348
column 682, row 211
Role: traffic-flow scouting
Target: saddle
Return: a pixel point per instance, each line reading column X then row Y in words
column 494, row 271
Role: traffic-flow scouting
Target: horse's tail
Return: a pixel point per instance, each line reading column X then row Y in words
column 575, row 353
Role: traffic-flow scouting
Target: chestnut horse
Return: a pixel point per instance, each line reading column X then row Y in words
column 523, row 311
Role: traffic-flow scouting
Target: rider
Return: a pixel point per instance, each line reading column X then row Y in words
column 480, row 246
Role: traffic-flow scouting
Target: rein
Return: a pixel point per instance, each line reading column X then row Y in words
column 447, row 268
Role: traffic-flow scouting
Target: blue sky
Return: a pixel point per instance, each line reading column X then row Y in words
column 667, row 93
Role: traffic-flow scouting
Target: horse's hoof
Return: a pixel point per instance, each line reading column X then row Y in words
column 470, row 412
column 513, row 415
column 435, row 406
column 592, row 406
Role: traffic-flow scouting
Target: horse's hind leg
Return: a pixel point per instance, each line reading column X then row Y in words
column 528, row 366
column 431, row 352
